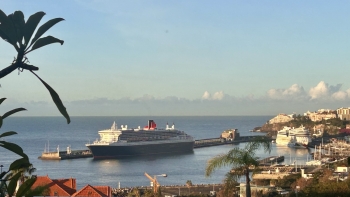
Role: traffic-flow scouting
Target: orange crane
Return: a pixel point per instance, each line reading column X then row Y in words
column 154, row 181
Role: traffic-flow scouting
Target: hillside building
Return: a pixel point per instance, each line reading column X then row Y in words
column 282, row 118
column 343, row 113
column 321, row 114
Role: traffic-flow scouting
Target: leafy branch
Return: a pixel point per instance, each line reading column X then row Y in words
column 20, row 34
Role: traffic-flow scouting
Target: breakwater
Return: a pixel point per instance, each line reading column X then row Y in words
column 76, row 154
column 221, row 141
column 62, row 155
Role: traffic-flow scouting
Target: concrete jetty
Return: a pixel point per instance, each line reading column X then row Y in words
column 271, row 160
column 68, row 154
column 221, row 141
column 75, row 154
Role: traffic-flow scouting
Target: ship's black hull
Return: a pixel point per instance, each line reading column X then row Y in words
column 103, row 152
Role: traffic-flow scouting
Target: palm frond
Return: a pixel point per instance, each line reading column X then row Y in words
column 257, row 143
column 219, row 161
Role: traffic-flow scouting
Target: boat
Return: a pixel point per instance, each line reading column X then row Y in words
column 314, row 163
column 293, row 143
column 300, row 134
column 149, row 140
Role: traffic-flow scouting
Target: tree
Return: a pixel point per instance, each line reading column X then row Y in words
column 159, row 193
column 240, row 161
column 148, row 193
column 135, row 192
column 189, row 183
column 17, row 32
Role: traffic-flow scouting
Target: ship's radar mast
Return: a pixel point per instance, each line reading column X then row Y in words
column 113, row 126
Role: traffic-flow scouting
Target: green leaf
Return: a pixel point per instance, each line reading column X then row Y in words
column 2, row 100
column 13, row 148
column 13, row 183
column 56, row 99
column 18, row 20
column 2, row 174
column 31, row 25
column 4, row 36
column 7, row 30
column 8, row 134
column 19, row 164
column 12, row 112
column 45, row 41
column 42, row 29
column 25, row 186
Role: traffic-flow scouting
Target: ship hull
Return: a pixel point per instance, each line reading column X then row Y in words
column 129, row 150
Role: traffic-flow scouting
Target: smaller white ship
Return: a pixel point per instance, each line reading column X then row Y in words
column 294, row 144
column 314, row 163
column 301, row 135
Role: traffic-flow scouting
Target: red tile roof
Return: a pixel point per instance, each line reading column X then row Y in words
column 56, row 187
column 94, row 191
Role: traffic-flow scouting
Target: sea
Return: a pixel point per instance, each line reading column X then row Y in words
column 39, row 134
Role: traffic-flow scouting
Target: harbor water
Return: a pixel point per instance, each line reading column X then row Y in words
column 38, row 134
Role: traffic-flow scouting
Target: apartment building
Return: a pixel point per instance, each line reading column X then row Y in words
column 343, row 113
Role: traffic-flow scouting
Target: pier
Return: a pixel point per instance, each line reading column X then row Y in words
column 62, row 155
column 271, row 160
column 222, row 141
column 76, row 154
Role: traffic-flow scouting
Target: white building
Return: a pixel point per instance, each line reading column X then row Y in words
column 343, row 113
column 321, row 114
column 282, row 118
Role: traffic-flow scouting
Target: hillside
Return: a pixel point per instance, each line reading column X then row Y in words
column 329, row 127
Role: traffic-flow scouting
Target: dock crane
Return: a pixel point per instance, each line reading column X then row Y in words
column 154, row 181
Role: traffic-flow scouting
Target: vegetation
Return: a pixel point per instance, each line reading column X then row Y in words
column 20, row 34
column 20, row 170
column 240, row 161
column 189, row 183
column 330, row 126
column 17, row 32
column 286, row 182
column 135, row 192
column 323, row 184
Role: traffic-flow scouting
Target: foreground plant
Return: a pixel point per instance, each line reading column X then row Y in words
column 240, row 161
column 19, row 170
column 17, row 32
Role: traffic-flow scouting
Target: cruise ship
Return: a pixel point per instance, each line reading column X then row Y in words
column 149, row 140
column 301, row 135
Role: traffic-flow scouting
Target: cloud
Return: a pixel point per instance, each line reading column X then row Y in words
column 146, row 97
column 284, row 100
column 295, row 92
column 216, row 96
column 340, row 95
column 206, row 95
column 323, row 91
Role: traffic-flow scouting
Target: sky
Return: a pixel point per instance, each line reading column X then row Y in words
column 184, row 58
